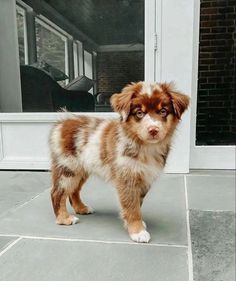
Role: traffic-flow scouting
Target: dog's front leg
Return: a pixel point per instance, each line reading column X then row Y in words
column 130, row 199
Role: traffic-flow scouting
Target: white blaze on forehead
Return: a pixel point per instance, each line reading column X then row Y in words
column 148, row 88
column 148, row 121
column 157, row 87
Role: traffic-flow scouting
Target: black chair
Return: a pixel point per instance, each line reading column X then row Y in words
column 40, row 93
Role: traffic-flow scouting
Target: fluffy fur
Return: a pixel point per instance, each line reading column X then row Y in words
column 129, row 152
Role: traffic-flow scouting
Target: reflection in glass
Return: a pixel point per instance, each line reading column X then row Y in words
column 91, row 48
column 21, row 35
column 51, row 48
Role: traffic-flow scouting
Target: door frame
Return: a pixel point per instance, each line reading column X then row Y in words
column 205, row 156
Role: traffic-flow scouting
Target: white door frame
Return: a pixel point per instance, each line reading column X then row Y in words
column 174, row 62
column 205, row 156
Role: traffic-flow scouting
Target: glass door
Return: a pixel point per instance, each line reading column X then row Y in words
column 111, row 42
column 96, row 46
column 214, row 113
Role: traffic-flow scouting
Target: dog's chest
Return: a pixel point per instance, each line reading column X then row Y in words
column 147, row 163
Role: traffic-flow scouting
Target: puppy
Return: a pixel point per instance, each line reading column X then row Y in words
column 129, row 152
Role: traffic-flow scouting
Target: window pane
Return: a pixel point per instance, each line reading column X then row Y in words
column 51, row 49
column 21, row 33
column 216, row 118
column 88, row 65
column 114, row 30
column 76, row 59
column 110, row 51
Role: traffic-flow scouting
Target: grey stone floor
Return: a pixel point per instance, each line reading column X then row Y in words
column 191, row 219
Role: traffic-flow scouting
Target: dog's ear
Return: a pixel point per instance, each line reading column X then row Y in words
column 179, row 101
column 121, row 102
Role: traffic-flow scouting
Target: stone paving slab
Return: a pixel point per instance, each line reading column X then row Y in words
column 18, row 187
column 213, row 245
column 163, row 210
column 211, row 192
column 43, row 260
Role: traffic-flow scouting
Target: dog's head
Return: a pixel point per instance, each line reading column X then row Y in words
column 151, row 111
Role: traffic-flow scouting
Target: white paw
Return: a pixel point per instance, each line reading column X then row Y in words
column 75, row 220
column 141, row 237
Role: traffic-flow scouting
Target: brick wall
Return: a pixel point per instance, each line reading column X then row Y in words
column 216, row 109
column 116, row 69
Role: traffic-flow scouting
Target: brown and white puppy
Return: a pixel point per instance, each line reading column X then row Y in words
column 129, row 152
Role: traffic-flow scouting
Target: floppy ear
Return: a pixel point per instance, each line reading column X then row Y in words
column 121, row 102
column 180, row 101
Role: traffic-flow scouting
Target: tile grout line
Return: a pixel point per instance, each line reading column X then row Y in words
column 190, row 256
column 214, row 211
column 10, row 246
column 194, row 175
column 91, row 241
column 13, row 209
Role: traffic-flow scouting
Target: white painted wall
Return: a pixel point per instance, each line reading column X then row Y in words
column 174, row 61
column 10, row 89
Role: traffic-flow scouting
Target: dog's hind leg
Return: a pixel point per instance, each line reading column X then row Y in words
column 63, row 182
column 76, row 201
column 59, row 197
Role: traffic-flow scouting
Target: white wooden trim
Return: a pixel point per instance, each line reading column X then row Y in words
column 45, row 22
column 36, row 117
column 173, row 57
column 88, row 64
column 213, row 157
column 149, row 55
column 25, row 164
column 195, row 77
column 121, row 48
column 1, row 144
column 80, row 57
column 76, row 59
column 24, row 5
column 66, row 61
column 158, row 38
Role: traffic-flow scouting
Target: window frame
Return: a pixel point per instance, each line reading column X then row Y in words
column 22, row 11
column 78, row 58
column 50, row 26
column 75, row 59
column 89, row 53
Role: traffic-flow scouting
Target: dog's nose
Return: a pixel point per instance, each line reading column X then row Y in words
column 153, row 131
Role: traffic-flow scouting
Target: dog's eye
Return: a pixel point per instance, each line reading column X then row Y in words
column 140, row 114
column 163, row 112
